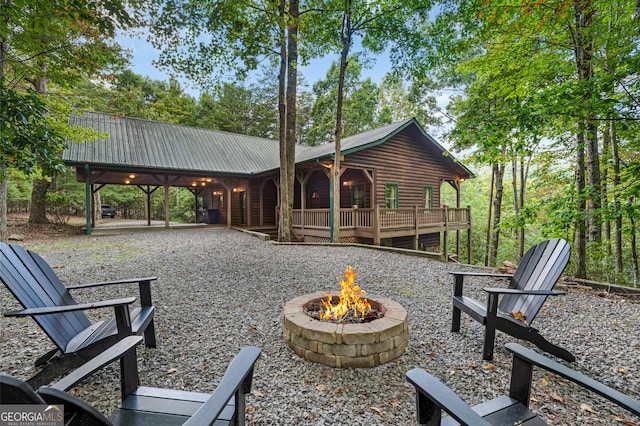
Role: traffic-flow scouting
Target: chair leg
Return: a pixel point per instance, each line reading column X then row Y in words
column 427, row 412
column 150, row 335
column 489, row 342
column 458, row 281
column 490, row 327
column 455, row 320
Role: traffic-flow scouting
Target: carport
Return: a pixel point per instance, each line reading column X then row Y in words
column 152, row 155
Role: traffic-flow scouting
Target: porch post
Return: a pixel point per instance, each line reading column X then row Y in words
column 88, row 195
column 229, row 207
column 416, row 237
column 376, row 225
column 148, row 206
column 166, row 201
column 469, row 237
column 262, row 184
column 446, row 234
column 458, row 230
column 195, row 204
column 247, row 201
column 93, row 204
column 331, row 206
column 303, row 179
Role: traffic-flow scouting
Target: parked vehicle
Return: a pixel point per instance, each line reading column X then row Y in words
column 108, row 211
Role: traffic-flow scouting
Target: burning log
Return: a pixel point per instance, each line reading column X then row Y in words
column 351, row 307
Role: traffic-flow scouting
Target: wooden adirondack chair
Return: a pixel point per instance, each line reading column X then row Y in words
column 433, row 396
column 536, row 275
column 143, row 405
column 35, row 285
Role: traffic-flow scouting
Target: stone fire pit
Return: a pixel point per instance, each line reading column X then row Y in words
column 346, row 345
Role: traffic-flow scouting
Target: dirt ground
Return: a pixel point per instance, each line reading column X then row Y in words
column 20, row 231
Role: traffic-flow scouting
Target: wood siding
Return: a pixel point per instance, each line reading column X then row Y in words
column 404, row 160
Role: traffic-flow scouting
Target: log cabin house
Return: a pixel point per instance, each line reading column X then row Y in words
column 391, row 178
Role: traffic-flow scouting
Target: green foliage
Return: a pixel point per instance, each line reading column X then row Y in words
column 27, row 138
column 203, row 40
column 247, row 110
column 59, row 206
column 133, row 95
column 359, row 108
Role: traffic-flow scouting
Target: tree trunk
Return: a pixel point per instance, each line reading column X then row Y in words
column 583, row 50
column 581, row 233
column 38, row 211
column 292, row 81
column 4, row 184
column 518, row 198
column 285, row 217
column 606, row 154
column 497, row 212
column 3, row 205
column 593, row 179
column 524, row 176
column 617, row 205
column 488, row 240
column 345, row 36
column 634, row 247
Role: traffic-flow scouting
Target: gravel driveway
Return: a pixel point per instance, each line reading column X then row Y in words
column 219, row 290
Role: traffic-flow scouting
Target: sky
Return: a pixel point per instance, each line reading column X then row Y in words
column 143, row 54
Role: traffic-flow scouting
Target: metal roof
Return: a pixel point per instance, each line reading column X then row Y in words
column 134, row 142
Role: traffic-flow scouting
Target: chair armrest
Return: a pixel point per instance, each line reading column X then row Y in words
column 443, row 398
column 110, row 355
column 236, row 381
column 144, row 285
column 518, row 291
column 103, row 283
column 481, row 274
column 71, row 308
column 458, row 279
column 534, row 358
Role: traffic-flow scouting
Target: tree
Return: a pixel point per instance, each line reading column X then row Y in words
column 360, row 104
column 377, row 25
column 203, row 39
column 26, row 140
column 552, row 59
column 248, row 110
column 398, row 102
column 47, row 42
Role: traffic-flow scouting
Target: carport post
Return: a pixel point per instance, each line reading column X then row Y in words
column 166, row 202
column 88, row 195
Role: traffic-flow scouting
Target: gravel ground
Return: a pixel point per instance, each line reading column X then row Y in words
column 219, row 290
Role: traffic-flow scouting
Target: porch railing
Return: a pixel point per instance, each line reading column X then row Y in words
column 386, row 219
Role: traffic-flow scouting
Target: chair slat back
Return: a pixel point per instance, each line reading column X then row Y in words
column 35, row 285
column 16, row 391
column 539, row 269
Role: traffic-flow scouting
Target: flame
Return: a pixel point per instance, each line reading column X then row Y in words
column 351, row 301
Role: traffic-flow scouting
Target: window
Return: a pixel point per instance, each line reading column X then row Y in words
column 391, row 195
column 358, row 196
column 427, row 196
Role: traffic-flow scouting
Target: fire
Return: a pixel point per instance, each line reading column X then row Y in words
column 351, row 302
